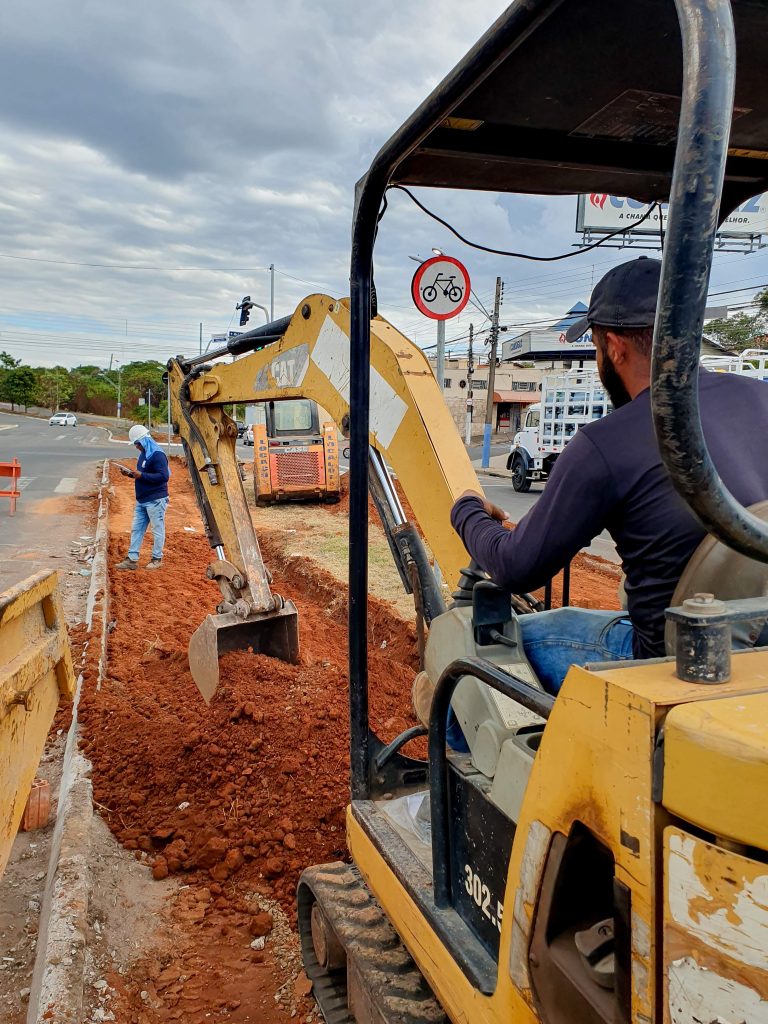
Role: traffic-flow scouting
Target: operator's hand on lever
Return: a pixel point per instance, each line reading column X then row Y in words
column 493, row 510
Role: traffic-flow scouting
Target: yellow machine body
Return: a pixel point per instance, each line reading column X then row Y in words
column 599, row 768
column 35, row 674
column 410, row 424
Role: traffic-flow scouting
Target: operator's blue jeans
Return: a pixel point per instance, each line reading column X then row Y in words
column 148, row 513
column 555, row 640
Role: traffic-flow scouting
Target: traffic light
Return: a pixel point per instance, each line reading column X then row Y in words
column 245, row 308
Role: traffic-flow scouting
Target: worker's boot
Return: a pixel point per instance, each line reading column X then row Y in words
column 421, row 696
column 127, row 563
column 154, row 563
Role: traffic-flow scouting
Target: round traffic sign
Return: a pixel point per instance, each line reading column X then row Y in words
column 440, row 287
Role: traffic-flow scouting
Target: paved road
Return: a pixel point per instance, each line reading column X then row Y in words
column 56, row 463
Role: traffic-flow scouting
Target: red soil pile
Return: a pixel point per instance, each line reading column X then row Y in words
column 255, row 785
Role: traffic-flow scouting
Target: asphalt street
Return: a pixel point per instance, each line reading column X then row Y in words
column 56, row 463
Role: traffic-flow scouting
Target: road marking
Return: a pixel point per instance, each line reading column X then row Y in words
column 66, row 485
column 9, row 426
column 93, row 440
column 59, row 436
column 25, row 481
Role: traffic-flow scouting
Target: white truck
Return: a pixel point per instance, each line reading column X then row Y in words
column 568, row 401
column 576, row 397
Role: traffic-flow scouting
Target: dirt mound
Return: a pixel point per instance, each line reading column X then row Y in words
column 254, row 785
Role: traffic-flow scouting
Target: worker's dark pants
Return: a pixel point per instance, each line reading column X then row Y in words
column 555, row 640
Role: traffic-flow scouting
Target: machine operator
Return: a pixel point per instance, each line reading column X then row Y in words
column 611, row 477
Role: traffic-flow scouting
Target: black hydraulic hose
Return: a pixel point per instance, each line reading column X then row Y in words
column 186, row 406
column 702, row 146
column 266, row 335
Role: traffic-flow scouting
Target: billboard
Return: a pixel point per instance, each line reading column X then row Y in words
column 601, row 213
column 547, row 345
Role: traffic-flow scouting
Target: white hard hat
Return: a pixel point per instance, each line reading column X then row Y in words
column 136, row 433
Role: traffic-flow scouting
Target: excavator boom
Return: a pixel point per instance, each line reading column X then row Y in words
column 307, row 356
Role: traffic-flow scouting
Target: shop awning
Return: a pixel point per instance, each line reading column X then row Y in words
column 516, row 397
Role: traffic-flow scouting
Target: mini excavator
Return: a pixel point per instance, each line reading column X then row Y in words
column 601, row 857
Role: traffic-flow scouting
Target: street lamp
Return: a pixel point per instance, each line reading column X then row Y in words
column 117, row 386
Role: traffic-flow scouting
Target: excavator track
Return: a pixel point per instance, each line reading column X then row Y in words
column 369, row 976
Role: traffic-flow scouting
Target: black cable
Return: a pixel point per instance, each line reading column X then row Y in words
column 520, row 255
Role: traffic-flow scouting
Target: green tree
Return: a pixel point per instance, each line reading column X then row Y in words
column 19, row 386
column 138, row 379
column 7, row 362
column 738, row 332
column 54, row 387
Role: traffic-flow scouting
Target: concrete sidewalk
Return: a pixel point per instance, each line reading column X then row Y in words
column 497, row 466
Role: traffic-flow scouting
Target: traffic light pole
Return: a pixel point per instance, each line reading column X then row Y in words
column 486, row 461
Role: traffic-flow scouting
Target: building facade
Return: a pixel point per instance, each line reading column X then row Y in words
column 515, row 388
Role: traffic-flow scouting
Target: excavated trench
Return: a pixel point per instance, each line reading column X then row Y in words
column 235, row 798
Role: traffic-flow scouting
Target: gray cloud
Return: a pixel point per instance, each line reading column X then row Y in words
column 224, row 134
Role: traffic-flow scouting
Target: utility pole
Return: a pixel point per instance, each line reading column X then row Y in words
column 470, row 400
column 440, row 357
column 201, row 338
column 271, row 292
column 491, row 377
column 149, row 408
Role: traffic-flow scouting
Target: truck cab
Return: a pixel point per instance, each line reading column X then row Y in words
column 568, row 401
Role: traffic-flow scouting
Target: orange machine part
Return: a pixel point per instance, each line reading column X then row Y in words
column 331, row 444
column 297, row 471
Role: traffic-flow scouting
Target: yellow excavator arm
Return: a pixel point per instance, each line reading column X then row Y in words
column 307, row 356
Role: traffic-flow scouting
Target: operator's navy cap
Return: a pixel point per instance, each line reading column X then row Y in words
column 625, row 297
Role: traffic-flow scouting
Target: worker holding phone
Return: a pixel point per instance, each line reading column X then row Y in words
column 151, row 482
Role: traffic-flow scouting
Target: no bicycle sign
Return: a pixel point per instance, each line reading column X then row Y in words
column 440, row 287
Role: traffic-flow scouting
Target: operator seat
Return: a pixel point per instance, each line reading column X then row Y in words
column 714, row 568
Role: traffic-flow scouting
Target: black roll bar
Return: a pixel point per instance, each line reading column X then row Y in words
column 531, row 698
column 708, row 60
column 702, row 147
column 505, row 34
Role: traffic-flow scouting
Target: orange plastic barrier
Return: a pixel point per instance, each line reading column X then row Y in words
column 11, row 471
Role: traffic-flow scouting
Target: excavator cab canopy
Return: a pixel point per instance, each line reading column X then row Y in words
column 659, row 100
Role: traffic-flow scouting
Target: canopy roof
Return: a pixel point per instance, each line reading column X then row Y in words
column 543, row 105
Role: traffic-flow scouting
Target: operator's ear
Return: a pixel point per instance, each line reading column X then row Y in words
column 616, row 347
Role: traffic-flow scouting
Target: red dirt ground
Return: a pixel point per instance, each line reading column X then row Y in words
column 263, row 770
column 239, row 796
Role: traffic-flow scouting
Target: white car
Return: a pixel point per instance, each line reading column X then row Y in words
column 248, row 435
column 63, row 419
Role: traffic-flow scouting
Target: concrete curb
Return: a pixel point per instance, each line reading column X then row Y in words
column 58, row 980
column 504, row 474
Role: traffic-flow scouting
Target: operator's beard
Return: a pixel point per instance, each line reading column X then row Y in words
column 613, row 383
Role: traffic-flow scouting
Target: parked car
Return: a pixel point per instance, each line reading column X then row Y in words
column 248, row 435
column 63, row 419
column 240, row 428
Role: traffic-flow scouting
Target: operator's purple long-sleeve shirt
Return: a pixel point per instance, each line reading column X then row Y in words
column 610, row 477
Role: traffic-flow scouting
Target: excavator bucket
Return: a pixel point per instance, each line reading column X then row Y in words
column 274, row 633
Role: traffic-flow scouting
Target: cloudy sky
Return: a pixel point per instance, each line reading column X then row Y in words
column 155, row 158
